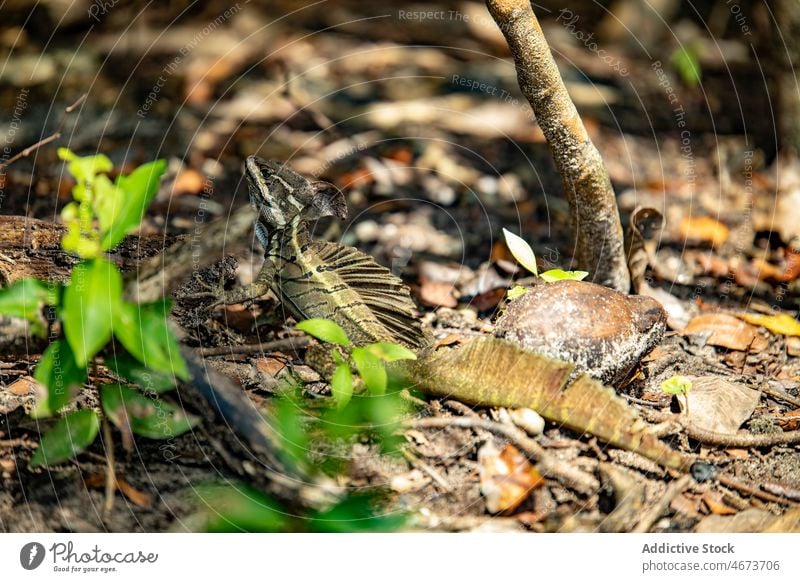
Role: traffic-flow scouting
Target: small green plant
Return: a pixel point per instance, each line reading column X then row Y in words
column 372, row 411
column 524, row 255
column 238, row 508
column 92, row 311
column 370, row 361
column 686, row 61
column 678, row 385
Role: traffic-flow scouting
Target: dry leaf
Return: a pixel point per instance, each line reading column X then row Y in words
column 719, row 405
column 792, row 267
column 751, row 520
column 783, row 324
column 704, row 228
column 22, row 386
column 726, row 331
column 507, row 477
column 687, row 505
column 789, row 420
column 188, row 181
column 488, row 300
column 269, row 365
column 98, row 481
column 716, row 505
column 436, row 294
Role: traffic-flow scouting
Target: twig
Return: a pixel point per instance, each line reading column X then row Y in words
column 593, row 208
column 751, row 489
column 51, row 138
column 292, row 343
column 710, row 437
column 547, row 464
column 770, row 391
column 428, row 470
column 649, row 518
column 111, row 474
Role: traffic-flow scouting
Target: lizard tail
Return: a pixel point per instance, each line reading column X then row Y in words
column 493, row 372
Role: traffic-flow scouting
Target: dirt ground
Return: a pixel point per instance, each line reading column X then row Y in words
column 422, row 125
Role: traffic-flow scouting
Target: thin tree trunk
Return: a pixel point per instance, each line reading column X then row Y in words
column 599, row 243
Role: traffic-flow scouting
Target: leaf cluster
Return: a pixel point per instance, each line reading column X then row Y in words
column 92, row 310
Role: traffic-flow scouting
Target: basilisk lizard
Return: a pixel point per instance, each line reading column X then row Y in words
column 318, row 279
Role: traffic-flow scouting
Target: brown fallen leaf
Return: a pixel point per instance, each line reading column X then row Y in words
column 188, row 181
column 139, row 498
column 269, row 365
column 726, row 331
column 449, row 340
column 789, row 420
column 22, row 386
column 488, row 300
column 507, row 477
column 713, row 501
column 705, row 229
column 751, row 520
column 793, row 346
column 719, row 405
column 750, row 273
column 791, row 269
column 437, row 294
column 687, row 505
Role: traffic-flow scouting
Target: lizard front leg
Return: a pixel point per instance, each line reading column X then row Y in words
column 257, row 288
column 220, row 296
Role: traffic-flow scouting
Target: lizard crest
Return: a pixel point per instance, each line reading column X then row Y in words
column 323, row 279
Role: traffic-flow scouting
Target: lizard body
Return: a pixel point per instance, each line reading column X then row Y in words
column 332, row 281
column 317, row 278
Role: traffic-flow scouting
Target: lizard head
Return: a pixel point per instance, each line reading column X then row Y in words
column 281, row 195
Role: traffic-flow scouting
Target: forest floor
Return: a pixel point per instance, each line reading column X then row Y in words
column 436, row 152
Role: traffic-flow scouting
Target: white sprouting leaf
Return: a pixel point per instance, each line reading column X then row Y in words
column 522, row 251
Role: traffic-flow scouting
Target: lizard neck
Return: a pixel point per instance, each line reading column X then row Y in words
column 290, row 241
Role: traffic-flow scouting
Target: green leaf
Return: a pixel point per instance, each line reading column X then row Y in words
column 293, row 432
column 153, row 419
column 516, row 291
column 371, row 369
column 93, row 294
column 25, row 299
column 70, row 435
column 134, row 371
column 560, row 275
column 84, row 169
column 686, row 62
column 144, row 332
column 60, row 374
column 77, row 242
column 324, row 330
column 107, row 202
column 356, row 513
column 677, row 385
column 389, row 352
column 138, row 189
column 521, row 251
column 239, row 508
column 342, row 385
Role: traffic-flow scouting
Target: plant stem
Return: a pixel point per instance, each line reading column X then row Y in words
column 599, row 245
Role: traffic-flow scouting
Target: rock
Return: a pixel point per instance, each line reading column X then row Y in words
column 602, row 331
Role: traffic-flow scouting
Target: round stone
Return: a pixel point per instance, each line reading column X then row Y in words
column 603, row 332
